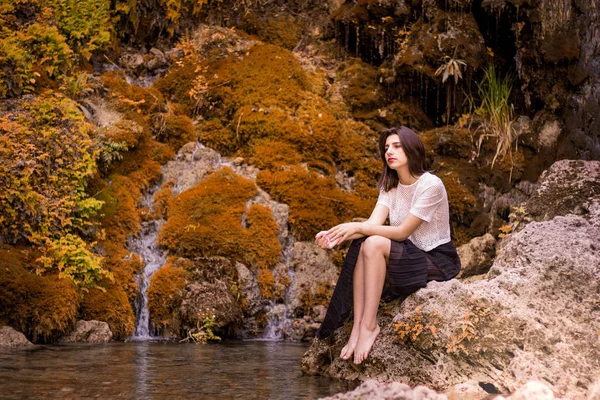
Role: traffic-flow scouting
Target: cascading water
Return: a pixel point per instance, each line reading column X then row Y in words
column 145, row 245
column 279, row 318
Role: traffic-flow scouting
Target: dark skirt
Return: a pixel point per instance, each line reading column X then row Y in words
column 408, row 270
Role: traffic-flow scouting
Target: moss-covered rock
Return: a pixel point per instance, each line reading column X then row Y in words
column 111, row 306
column 45, row 307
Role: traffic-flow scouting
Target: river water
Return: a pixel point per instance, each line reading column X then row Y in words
column 154, row 370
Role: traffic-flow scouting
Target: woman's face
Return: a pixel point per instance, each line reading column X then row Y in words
column 394, row 153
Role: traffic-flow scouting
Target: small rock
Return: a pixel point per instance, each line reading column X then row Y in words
column 131, row 60
column 12, row 338
column 89, row 332
column 319, row 312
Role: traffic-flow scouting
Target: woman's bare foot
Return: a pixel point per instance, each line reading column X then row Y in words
column 348, row 349
column 365, row 342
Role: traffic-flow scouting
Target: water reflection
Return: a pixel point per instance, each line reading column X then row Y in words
column 151, row 370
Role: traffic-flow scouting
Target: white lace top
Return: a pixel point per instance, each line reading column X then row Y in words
column 425, row 199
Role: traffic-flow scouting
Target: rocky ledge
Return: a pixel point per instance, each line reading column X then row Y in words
column 535, row 315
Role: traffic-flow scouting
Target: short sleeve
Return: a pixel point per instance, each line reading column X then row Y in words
column 384, row 199
column 427, row 201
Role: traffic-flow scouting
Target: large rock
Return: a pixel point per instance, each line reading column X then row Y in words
column 314, row 278
column 476, row 256
column 568, row 186
column 373, row 390
column 12, row 338
column 89, row 332
column 534, row 317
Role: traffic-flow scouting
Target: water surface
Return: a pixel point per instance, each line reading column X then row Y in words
column 154, row 370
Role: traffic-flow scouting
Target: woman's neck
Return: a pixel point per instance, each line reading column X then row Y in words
column 405, row 176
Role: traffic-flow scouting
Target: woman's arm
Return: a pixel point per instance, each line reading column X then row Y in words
column 377, row 218
column 353, row 230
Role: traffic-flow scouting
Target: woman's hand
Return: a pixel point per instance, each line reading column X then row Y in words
column 342, row 232
column 323, row 240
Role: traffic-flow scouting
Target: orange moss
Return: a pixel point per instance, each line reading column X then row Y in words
column 282, row 283
column 319, row 296
column 125, row 131
column 316, row 203
column 273, row 154
column 165, row 294
column 362, row 90
column 279, row 30
column 42, row 307
column 266, row 282
column 206, row 221
column 261, row 250
column 119, row 214
column 162, row 198
column 175, row 130
column 462, row 201
column 132, row 97
column 112, row 307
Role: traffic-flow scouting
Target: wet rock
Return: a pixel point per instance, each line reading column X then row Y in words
column 531, row 391
column 250, row 290
column 534, row 316
column 157, row 60
column 203, row 299
column 476, row 256
column 455, row 34
column 192, row 163
column 314, row 277
column 131, row 60
column 319, row 312
column 373, row 390
column 567, row 187
column 89, row 332
column 174, row 54
column 12, row 338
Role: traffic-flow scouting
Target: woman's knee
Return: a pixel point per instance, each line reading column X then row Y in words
column 376, row 245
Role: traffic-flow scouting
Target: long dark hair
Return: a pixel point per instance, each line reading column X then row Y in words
column 415, row 154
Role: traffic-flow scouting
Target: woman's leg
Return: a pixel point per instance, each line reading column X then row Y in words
column 358, row 295
column 375, row 251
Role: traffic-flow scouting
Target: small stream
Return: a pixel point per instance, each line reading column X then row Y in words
column 155, row 370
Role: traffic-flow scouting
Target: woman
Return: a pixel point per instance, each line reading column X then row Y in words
column 415, row 248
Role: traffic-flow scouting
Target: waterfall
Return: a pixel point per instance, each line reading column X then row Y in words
column 145, row 245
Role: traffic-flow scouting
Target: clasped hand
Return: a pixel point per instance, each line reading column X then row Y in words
column 337, row 234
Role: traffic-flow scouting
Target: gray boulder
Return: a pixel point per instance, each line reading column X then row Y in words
column 12, row 338
column 89, row 332
column 567, row 187
column 535, row 316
